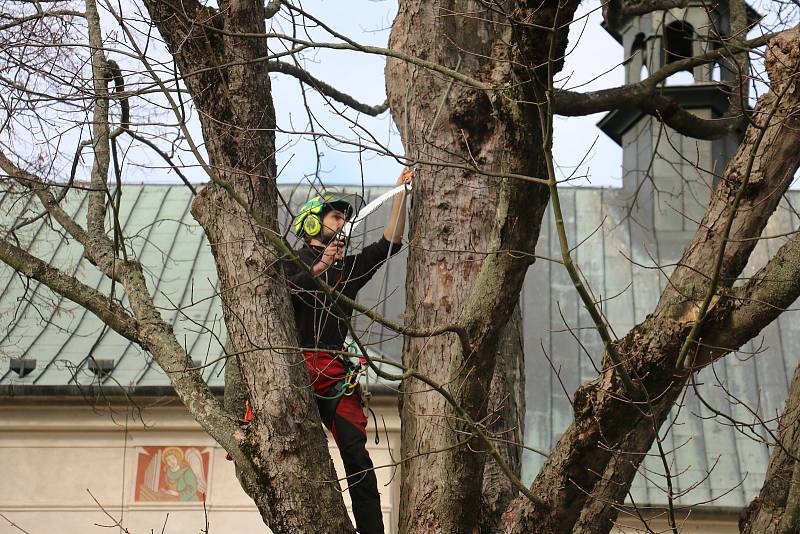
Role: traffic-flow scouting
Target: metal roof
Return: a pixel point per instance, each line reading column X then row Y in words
column 71, row 347
column 619, row 263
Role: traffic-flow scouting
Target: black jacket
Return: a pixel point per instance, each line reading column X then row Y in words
column 318, row 324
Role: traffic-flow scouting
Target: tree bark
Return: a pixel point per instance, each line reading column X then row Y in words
column 472, row 239
column 776, row 510
column 472, row 235
column 777, row 507
column 506, row 421
column 294, row 487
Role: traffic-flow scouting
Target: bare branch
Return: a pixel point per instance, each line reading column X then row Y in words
column 107, row 310
column 326, row 89
column 644, row 96
column 769, row 293
column 100, row 136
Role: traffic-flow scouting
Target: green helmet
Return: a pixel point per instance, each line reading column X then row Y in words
column 309, row 221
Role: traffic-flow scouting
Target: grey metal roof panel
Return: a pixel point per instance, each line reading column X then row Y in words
column 181, row 274
column 701, row 443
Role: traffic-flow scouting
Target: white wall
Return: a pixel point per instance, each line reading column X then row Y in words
column 52, row 457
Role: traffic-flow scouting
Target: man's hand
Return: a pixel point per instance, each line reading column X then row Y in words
column 333, row 252
column 397, row 218
column 406, row 176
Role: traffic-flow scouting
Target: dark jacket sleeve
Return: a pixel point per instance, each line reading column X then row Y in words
column 365, row 264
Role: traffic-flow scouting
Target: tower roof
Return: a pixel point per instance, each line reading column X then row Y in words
column 702, row 96
column 753, row 17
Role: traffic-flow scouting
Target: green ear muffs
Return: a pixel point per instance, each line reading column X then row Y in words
column 309, row 220
column 312, row 226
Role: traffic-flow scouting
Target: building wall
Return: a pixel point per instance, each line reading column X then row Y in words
column 68, row 469
column 722, row 522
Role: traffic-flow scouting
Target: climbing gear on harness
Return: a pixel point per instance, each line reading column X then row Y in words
column 309, row 221
column 348, row 385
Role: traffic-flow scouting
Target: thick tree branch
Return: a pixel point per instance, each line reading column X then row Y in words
column 775, row 287
column 644, row 95
column 616, row 12
column 147, row 330
column 746, row 173
column 767, row 160
column 109, row 265
column 633, row 8
column 190, row 30
column 234, row 100
column 272, row 8
column 100, row 134
column 777, row 506
column 596, row 459
column 739, row 63
column 38, row 187
column 326, row 89
column 112, row 314
column 750, row 308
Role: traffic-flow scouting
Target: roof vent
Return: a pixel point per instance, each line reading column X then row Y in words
column 101, row 367
column 23, row 367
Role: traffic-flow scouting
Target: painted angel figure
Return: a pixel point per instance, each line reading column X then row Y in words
column 184, row 473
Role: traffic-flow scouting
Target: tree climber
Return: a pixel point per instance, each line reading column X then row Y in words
column 321, row 329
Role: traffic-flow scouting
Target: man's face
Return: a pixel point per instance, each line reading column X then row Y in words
column 332, row 223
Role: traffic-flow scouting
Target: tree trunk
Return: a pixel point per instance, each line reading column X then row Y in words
column 776, row 510
column 294, row 487
column 451, row 211
column 506, row 420
column 472, row 236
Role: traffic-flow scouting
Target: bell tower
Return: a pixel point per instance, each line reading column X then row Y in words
column 668, row 177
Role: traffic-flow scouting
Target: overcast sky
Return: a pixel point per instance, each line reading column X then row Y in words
column 593, row 62
column 361, row 76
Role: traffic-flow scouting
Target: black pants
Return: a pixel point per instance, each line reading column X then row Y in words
column 361, row 480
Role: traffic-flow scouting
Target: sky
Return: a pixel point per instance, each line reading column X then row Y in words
column 593, row 62
column 581, row 149
column 361, row 76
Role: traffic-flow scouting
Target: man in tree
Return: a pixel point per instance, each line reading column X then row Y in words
column 322, row 328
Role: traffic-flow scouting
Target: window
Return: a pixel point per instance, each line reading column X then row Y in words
column 638, row 45
column 636, row 63
column 678, row 38
column 716, row 72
